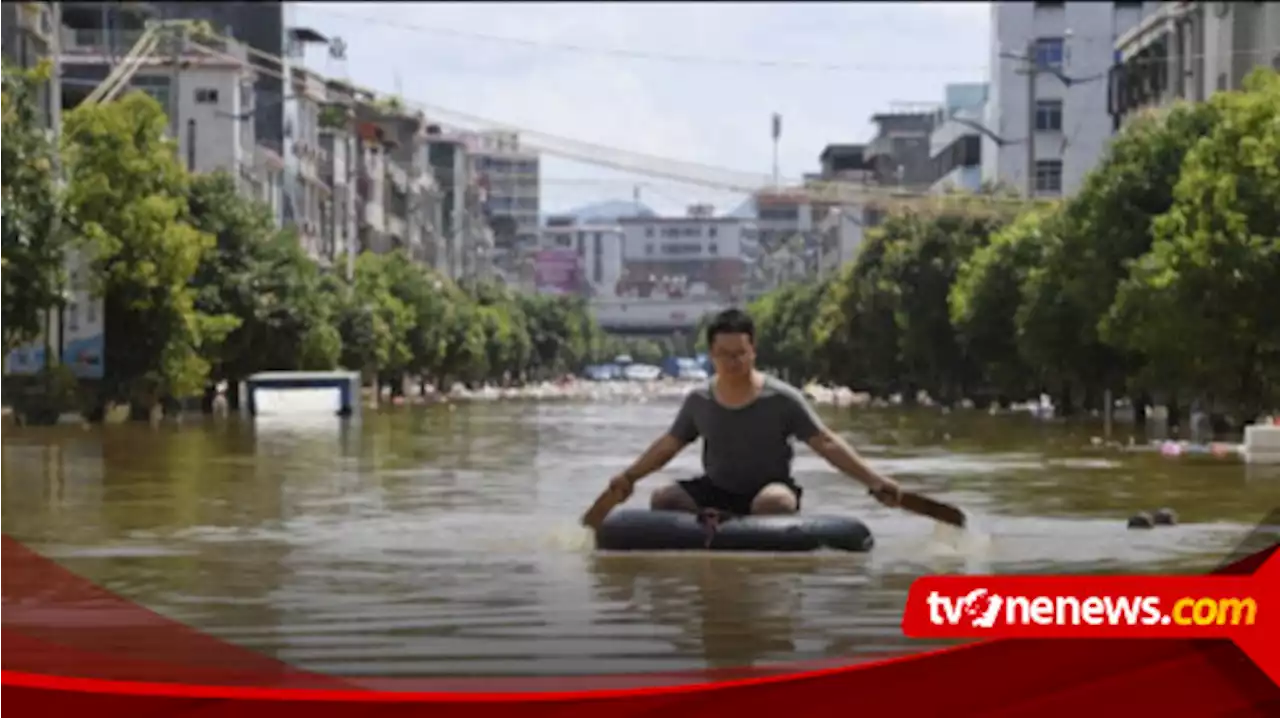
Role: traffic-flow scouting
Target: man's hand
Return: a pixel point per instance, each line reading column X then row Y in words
column 887, row 491
column 621, row 487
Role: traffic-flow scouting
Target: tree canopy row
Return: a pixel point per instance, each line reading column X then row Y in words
column 1159, row 279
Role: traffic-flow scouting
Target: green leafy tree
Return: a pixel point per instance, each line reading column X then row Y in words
column 1105, row 226
column 33, row 244
column 128, row 194
column 856, row 334
column 373, row 322
column 263, row 278
column 784, row 329
column 427, row 296
column 1200, row 305
column 986, row 295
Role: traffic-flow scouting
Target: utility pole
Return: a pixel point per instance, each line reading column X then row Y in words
column 179, row 40
column 1033, row 69
column 777, row 133
column 55, row 222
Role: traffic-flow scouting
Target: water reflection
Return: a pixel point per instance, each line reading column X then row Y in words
column 444, row 540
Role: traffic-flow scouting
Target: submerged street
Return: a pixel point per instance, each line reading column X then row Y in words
column 434, row 541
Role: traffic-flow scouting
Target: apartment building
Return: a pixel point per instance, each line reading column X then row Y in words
column 1061, row 107
column 1188, row 51
column 313, row 196
column 695, row 256
column 572, row 257
column 339, row 170
column 510, row 176
column 465, row 238
column 955, row 145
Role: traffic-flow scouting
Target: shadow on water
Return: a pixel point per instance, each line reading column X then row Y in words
column 444, row 540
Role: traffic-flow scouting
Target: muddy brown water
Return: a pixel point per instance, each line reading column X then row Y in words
column 431, row 541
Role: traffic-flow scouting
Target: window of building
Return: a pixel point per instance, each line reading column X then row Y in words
column 682, row 248
column 648, row 232
column 713, row 249
column 1049, row 52
column 206, row 96
column 648, row 249
column 1129, row 4
column 1049, row 176
column 1049, row 4
column 711, row 231
column 1048, row 115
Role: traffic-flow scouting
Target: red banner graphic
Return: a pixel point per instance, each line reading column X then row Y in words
column 72, row 647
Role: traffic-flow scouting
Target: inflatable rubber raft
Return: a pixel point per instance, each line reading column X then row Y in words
column 636, row 530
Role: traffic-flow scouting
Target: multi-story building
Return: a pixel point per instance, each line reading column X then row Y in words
column 371, row 177
column 955, row 146
column 312, row 212
column 839, row 227
column 206, row 88
column 264, row 181
column 1189, row 50
column 510, row 175
column 1061, row 107
column 98, row 35
column 465, row 238
column 31, row 34
column 339, row 170
column 413, row 198
column 899, row 153
column 678, row 257
column 586, row 258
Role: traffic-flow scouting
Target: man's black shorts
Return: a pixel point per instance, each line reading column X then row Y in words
column 709, row 496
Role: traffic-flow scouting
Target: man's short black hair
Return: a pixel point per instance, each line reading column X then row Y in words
column 731, row 321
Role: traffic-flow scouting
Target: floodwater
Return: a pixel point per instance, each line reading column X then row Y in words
column 438, row 541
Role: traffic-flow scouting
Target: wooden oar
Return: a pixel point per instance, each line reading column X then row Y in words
column 931, row 508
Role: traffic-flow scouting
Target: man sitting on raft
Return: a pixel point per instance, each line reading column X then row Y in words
column 746, row 420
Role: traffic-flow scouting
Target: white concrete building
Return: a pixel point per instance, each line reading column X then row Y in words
column 1071, row 124
column 842, row 232
column 510, row 176
column 1189, row 50
column 687, row 256
column 313, row 212
column 955, row 145
column 599, row 249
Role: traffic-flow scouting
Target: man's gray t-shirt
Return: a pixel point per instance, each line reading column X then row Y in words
column 748, row 447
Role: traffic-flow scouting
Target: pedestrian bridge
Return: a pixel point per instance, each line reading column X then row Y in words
column 633, row 315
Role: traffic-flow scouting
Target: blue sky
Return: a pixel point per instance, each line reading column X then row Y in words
column 713, row 113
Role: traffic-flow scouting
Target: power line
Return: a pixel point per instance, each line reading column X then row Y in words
column 675, row 170
column 633, row 54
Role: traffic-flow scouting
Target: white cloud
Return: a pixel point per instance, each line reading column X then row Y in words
column 716, row 114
